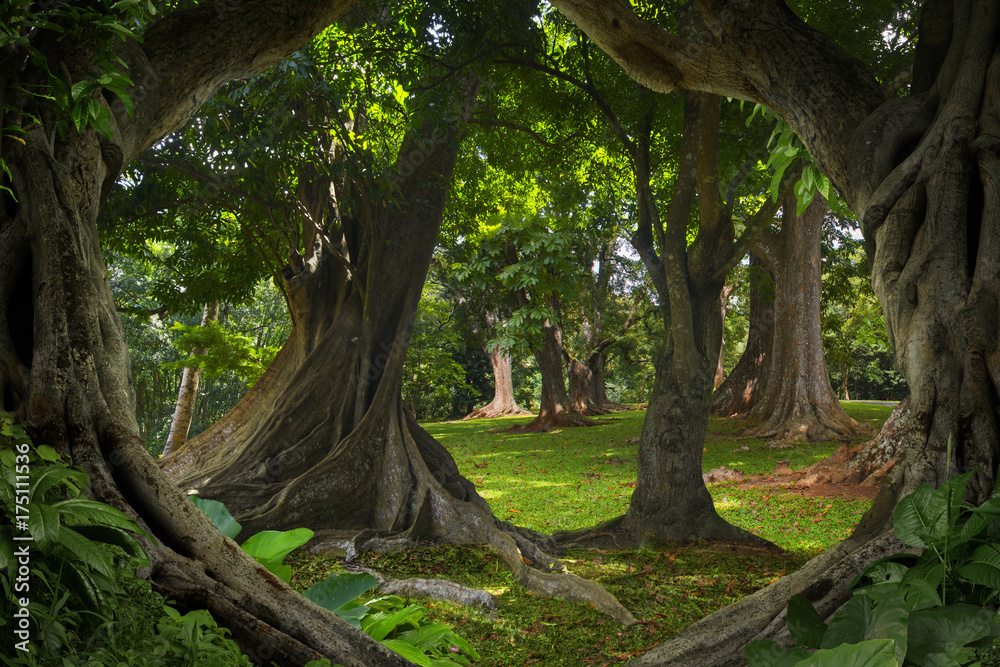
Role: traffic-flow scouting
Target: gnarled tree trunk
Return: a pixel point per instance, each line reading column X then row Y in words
column 322, row 440
column 63, row 360
column 923, row 175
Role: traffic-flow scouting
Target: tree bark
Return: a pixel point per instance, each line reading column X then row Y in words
column 922, row 174
column 866, row 464
column 724, row 296
column 187, row 395
column 798, row 403
column 503, row 404
column 747, row 382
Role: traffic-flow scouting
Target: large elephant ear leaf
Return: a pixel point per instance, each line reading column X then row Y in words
column 271, row 546
column 219, row 515
column 918, row 516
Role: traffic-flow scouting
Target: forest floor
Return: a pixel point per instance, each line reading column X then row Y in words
column 572, row 478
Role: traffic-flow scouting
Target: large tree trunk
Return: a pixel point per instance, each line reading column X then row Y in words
column 670, row 498
column 555, row 409
column 588, row 394
column 798, row 404
column 747, row 382
column 322, row 440
column 922, row 173
column 187, row 395
column 503, row 404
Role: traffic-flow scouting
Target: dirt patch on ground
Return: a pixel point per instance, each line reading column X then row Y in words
column 797, row 483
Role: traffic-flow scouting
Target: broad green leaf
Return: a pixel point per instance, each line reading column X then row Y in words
column 86, row 551
column 338, row 590
column 860, row 620
column 100, row 513
column 115, row 536
column 944, row 630
column 43, row 523
column 44, row 479
column 380, row 625
column 920, row 517
column 426, row 636
column 922, row 585
column 46, row 453
column 983, row 566
column 804, row 622
column 274, row 545
column 219, row 515
column 871, row 653
column 767, row 653
column 409, row 652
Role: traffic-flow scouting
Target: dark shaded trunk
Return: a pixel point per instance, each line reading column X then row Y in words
column 503, row 404
column 798, row 404
column 64, row 365
column 187, row 395
column 670, row 498
column 747, row 382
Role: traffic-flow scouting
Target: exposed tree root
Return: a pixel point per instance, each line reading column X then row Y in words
column 490, row 411
column 616, row 534
column 866, row 464
column 542, row 424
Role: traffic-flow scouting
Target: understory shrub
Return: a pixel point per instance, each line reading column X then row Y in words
column 937, row 609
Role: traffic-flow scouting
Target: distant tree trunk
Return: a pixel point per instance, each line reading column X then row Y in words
column 845, row 393
column 187, row 396
column 748, row 380
column 503, row 403
column 554, row 407
column 724, row 296
column 670, row 499
column 799, row 403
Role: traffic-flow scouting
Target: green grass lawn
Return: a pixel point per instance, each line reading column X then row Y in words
column 573, row 478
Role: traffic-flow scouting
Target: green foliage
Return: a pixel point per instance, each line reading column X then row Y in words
column 928, row 610
column 787, row 150
column 216, row 350
column 434, row 379
column 78, row 104
column 86, row 605
column 268, row 547
column 77, row 549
